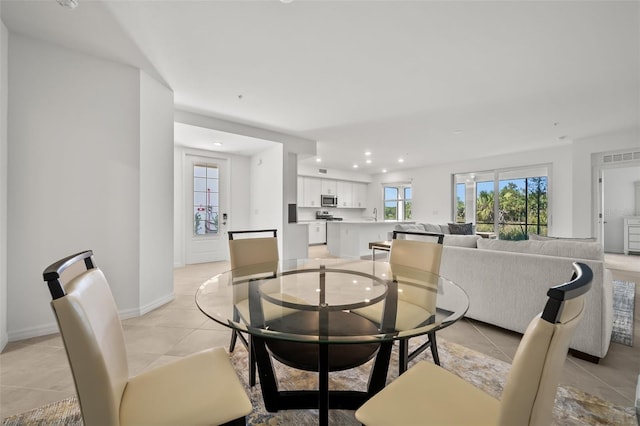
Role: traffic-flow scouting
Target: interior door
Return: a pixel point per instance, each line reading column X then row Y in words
column 206, row 201
column 617, row 190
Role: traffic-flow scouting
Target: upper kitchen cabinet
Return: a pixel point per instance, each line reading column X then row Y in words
column 350, row 194
column 344, row 191
column 311, row 191
column 329, row 187
column 359, row 195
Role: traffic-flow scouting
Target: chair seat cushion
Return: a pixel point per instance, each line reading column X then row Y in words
column 429, row 395
column 200, row 389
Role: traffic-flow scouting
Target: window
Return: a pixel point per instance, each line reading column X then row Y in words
column 397, row 202
column 205, row 199
column 512, row 203
column 461, row 209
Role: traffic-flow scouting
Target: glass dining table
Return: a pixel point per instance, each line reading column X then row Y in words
column 326, row 315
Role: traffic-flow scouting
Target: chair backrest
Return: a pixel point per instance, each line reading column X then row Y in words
column 252, row 250
column 92, row 333
column 531, row 385
column 424, row 252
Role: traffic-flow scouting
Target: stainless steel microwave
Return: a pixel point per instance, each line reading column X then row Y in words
column 329, row 201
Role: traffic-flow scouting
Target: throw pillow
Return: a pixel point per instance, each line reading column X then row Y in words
column 461, row 228
column 430, row 227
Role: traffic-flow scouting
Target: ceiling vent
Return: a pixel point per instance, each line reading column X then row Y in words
column 623, row 156
column 322, row 171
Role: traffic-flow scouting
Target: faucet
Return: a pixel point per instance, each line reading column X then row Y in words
column 375, row 214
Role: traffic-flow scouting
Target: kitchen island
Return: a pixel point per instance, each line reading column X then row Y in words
column 350, row 238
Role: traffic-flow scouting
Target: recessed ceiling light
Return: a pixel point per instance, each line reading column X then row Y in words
column 355, row 166
column 400, row 160
column 217, row 143
column 384, row 170
column 368, row 161
column 318, row 160
column 367, row 153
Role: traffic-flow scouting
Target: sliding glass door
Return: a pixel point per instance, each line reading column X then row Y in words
column 512, row 203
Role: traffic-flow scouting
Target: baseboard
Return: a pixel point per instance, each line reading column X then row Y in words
column 156, row 303
column 27, row 333
column 52, row 328
column 4, row 339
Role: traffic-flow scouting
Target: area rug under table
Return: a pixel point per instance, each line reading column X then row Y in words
column 624, row 293
column 572, row 407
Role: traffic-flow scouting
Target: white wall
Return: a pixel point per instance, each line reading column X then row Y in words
column 432, row 185
column 570, row 188
column 75, row 173
column 266, row 206
column 156, row 193
column 583, row 191
column 3, row 185
column 306, row 170
column 288, row 145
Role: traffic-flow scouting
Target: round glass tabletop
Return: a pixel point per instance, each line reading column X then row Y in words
column 332, row 301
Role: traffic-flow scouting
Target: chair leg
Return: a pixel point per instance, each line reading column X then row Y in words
column 434, row 347
column 252, row 363
column 234, row 338
column 242, row 421
column 403, row 356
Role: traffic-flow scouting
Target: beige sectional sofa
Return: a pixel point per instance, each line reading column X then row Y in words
column 507, row 283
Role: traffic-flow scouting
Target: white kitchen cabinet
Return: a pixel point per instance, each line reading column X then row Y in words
column 300, row 197
column 344, row 191
column 317, row 232
column 359, row 197
column 632, row 234
column 311, row 192
column 329, row 187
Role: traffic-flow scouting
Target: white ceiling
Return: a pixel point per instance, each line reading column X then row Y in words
column 430, row 81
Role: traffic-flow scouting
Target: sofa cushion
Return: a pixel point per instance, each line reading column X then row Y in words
column 409, row 227
column 537, row 237
column 430, row 227
column 470, row 241
column 461, row 228
column 559, row 248
column 444, row 229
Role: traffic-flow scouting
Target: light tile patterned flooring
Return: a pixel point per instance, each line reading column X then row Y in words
column 34, row 372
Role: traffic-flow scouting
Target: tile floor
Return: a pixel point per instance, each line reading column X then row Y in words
column 35, row 371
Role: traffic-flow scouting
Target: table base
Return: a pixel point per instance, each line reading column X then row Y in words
column 323, row 399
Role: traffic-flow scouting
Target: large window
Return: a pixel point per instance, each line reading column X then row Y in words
column 205, row 199
column 397, row 202
column 513, row 203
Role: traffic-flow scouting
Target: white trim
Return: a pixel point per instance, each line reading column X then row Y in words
column 153, row 305
column 52, row 327
column 4, row 339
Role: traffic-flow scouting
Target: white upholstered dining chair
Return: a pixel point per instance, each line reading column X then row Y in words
column 256, row 249
column 202, row 388
column 430, row 395
column 253, row 256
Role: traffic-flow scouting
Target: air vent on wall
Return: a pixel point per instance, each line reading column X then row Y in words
column 623, row 156
column 322, row 171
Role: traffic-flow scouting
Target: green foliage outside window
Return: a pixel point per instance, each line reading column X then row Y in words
column 522, row 208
